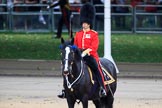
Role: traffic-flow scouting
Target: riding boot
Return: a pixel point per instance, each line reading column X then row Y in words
column 91, row 62
column 62, row 94
column 102, row 92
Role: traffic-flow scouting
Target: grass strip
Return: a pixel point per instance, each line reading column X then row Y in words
column 139, row 48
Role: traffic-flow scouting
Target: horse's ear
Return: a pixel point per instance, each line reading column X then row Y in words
column 62, row 40
column 72, row 41
column 60, row 46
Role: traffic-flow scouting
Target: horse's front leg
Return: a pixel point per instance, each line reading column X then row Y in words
column 71, row 102
column 85, row 101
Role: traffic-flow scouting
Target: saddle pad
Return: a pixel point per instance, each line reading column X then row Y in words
column 107, row 76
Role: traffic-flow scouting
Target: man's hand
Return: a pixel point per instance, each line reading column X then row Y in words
column 86, row 52
column 48, row 7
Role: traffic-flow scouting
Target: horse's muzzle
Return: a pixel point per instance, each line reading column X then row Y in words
column 65, row 72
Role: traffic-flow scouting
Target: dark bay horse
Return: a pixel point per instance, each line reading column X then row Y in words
column 80, row 85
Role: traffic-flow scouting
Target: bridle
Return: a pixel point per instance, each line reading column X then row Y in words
column 69, row 85
column 67, row 70
column 67, row 61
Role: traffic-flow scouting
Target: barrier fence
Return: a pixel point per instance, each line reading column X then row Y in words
column 20, row 18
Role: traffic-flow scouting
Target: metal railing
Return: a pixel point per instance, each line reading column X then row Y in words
column 121, row 22
column 19, row 19
column 145, row 21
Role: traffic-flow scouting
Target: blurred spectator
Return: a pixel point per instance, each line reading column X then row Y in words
column 75, row 8
column 74, row 1
column 139, row 18
column 9, row 4
column 2, row 16
column 19, row 8
column 113, row 8
column 84, row 1
column 159, row 2
column 159, row 9
column 32, row 8
column 65, row 17
column 19, row 21
column 103, row 1
column 120, row 20
column 41, row 17
column 151, row 6
column 36, row 9
column 137, row 2
column 31, row 21
column 9, row 9
column 122, row 9
column 99, row 6
column 18, row 1
column 150, row 20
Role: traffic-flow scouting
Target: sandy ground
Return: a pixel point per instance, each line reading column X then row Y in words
column 57, row 103
column 38, row 92
column 54, row 103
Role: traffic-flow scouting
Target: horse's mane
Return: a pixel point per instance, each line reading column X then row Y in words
column 78, row 53
column 70, row 43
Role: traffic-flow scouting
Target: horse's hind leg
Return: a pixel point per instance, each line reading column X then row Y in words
column 109, row 102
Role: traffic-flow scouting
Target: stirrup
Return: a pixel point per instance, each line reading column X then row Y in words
column 102, row 92
column 62, row 94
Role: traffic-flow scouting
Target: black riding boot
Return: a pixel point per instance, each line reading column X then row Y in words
column 62, row 94
column 91, row 62
column 102, row 92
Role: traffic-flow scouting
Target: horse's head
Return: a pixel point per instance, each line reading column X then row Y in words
column 68, row 55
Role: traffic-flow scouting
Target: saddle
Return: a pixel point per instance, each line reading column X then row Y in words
column 108, row 79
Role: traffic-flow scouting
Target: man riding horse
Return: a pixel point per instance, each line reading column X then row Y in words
column 87, row 40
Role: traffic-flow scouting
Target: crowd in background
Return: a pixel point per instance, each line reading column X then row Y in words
column 10, row 3
column 119, row 21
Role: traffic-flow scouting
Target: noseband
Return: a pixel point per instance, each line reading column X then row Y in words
column 69, row 70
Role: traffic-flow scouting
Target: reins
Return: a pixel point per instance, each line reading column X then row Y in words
column 69, row 85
